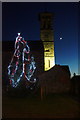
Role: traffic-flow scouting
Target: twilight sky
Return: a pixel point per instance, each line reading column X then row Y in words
column 23, row 17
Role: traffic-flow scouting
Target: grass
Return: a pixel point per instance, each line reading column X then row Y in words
column 54, row 106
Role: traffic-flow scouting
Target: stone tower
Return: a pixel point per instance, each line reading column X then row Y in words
column 47, row 36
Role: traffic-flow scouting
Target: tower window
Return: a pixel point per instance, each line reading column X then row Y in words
column 46, row 50
column 49, row 63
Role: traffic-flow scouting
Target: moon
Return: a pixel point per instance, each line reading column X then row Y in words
column 60, row 38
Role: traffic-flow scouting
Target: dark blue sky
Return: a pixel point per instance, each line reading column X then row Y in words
column 23, row 17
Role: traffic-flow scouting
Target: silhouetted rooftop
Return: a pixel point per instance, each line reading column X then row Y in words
column 34, row 45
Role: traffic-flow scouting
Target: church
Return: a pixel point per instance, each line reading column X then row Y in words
column 53, row 78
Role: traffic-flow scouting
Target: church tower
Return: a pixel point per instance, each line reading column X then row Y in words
column 47, row 36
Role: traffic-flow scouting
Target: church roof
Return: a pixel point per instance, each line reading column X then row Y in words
column 34, row 45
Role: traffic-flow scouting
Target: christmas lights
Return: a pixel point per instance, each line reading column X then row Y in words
column 22, row 66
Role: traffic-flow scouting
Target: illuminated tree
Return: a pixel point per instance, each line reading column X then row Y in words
column 22, row 66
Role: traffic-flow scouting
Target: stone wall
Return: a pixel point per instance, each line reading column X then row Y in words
column 56, row 80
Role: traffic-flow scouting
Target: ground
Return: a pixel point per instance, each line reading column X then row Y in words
column 53, row 106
